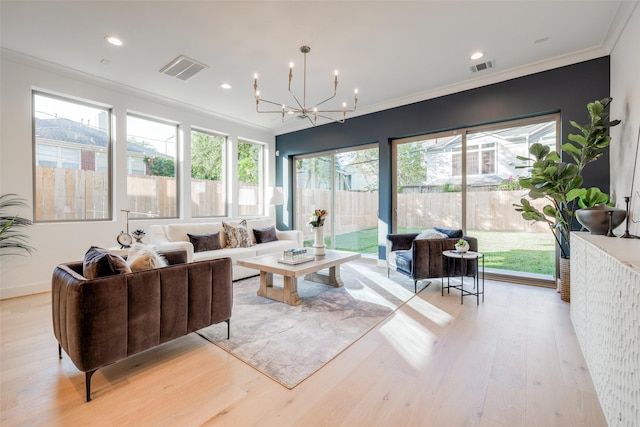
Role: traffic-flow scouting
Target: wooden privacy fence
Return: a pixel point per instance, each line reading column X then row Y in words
column 85, row 195
column 488, row 210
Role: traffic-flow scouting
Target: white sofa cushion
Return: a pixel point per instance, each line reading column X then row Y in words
column 233, row 253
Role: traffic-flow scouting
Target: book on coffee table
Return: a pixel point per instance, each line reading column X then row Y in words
column 296, row 260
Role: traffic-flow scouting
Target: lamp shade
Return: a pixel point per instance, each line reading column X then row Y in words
column 276, row 196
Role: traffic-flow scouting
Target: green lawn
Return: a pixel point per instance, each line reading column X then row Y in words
column 514, row 251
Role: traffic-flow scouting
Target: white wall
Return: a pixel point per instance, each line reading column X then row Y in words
column 61, row 242
column 625, row 90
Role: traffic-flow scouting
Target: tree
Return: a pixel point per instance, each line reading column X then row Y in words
column 364, row 163
column 412, row 164
column 206, row 156
column 159, row 166
column 248, row 162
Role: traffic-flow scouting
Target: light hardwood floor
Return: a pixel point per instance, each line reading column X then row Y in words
column 512, row 361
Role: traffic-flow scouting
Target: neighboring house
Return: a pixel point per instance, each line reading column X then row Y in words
column 491, row 158
column 64, row 143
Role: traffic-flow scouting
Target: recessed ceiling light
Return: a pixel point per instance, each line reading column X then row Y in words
column 477, row 55
column 225, row 85
column 113, row 40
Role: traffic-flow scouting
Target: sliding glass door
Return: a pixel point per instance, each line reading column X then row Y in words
column 468, row 179
column 345, row 183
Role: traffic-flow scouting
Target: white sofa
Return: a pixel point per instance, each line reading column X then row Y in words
column 174, row 236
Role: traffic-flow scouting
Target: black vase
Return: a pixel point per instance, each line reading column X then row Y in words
column 596, row 218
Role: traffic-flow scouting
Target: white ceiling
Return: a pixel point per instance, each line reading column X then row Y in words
column 393, row 52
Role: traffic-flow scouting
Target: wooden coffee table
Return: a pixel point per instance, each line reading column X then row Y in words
column 268, row 265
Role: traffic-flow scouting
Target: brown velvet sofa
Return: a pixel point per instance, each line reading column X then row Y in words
column 101, row 321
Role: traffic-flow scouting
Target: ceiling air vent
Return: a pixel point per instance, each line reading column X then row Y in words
column 182, row 68
column 483, row 66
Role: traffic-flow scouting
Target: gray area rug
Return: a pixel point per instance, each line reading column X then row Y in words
column 289, row 343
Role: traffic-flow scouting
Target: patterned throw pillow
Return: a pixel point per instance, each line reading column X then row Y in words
column 237, row 237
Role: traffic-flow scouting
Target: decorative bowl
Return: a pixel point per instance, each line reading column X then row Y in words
column 596, row 218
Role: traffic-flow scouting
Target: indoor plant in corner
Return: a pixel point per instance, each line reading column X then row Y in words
column 11, row 237
column 560, row 183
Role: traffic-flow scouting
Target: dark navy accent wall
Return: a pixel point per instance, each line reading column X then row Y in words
column 566, row 90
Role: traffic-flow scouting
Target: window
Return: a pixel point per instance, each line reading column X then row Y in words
column 72, row 142
column 208, row 184
column 431, row 190
column 475, row 166
column 250, row 178
column 152, row 150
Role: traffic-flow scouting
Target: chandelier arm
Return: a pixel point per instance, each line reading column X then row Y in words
column 328, row 99
column 279, row 104
column 337, row 111
column 300, row 106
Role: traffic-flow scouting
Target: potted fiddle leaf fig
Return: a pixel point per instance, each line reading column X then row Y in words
column 11, row 226
column 559, row 182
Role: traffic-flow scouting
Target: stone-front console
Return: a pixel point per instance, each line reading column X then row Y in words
column 605, row 312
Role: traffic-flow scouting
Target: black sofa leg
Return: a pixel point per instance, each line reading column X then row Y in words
column 228, row 328
column 87, row 376
column 59, row 351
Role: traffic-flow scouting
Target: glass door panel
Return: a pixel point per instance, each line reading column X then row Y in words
column 356, row 201
column 510, row 243
column 344, row 183
column 427, row 191
column 313, row 191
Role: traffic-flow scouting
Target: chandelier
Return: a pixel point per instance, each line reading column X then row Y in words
column 301, row 109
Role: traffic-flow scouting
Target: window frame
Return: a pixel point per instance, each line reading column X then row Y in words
column 223, row 173
column 108, row 150
column 262, row 178
column 176, row 163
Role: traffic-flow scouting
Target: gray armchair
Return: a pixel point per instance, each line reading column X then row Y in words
column 421, row 259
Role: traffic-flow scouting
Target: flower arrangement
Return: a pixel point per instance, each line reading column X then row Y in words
column 318, row 217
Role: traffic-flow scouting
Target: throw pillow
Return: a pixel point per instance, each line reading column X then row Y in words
column 141, row 257
column 99, row 262
column 237, row 237
column 456, row 234
column 431, row 234
column 264, row 235
column 205, row 242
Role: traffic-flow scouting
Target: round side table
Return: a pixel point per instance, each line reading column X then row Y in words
column 451, row 258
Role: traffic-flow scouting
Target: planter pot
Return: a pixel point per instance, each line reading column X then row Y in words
column 462, row 248
column 565, row 279
column 596, row 218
